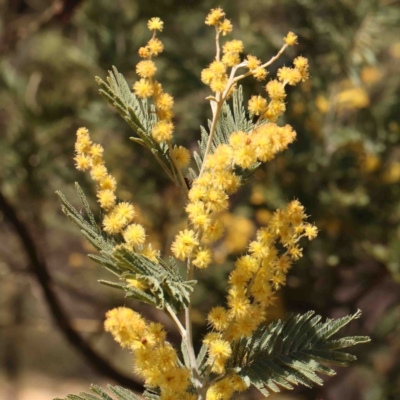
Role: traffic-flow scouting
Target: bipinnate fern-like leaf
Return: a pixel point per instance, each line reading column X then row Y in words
column 138, row 114
column 118, row 392
column 162, row 282
column 292, row 351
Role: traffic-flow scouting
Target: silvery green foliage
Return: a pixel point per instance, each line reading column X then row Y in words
column 164, row 284
column 118, row 392
column 138, row 114
column 292, row 351
column 284, row 354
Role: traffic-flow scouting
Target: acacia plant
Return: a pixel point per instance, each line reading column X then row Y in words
column 240, row 350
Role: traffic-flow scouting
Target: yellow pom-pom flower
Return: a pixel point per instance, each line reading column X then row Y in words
column 275, row 90
column 253, row 62
column 184, row 244
column 214, row 231
column 146, row 69
column 182, row 156
column 106, row 199
column 290, row 39
column 98, row 172
column 162, row 131
column 219, row 319
column 125, row 210
column 222, row 390
column 143, row 88
column 134, row 235
column 125, row 325
column 257, row 105
column 219, row 84
column 225, row 27
column 216, row 200
column 238, row 303
column 310, row 231
column 274, row 110
column 214, row 16
column 155, row 46
column 113, row 224
column 83, row 145
column 108, row 182
column 82, row 162
column 155, row 24
column 207, row 76
column 292, row 76
column 219, row 351
column 203, row 258
column 218, row 68
column 164, row 101
column 96, row 151
column 233, row 46
column 230, row 59
column 259, row 73
column 82, row 132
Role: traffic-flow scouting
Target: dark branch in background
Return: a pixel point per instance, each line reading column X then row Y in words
column 22, row 22
column 39, row 269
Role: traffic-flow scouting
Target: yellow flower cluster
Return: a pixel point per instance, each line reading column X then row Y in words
column 209, row 193
column 216, row 17
column 260, row 273
column 147, row 87
column 254, row 65
column 156, row 361
column 226, row 387
column 275, row 88
column 216, row 74
column 181, row 156
column 252, row 284
column 118, row 218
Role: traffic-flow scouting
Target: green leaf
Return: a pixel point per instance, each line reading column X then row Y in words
column 185, row 354
column 201, row 358
column 291, row 351
column 140, row 116
column 164, row 284
column 119, row 392
column 163, row 279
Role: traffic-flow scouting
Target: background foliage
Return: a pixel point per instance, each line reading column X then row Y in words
column 344, row 167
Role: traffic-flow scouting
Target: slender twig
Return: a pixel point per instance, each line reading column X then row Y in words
column 265, row 65
column 216, row 106
column 218, row 53
column 231, row 80
column 217, row 112
column 182, row 330
column 189, row 335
